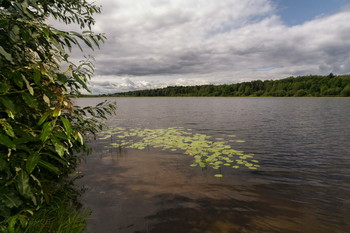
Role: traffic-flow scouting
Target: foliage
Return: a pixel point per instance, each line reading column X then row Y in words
column 62, row 215
column 206, row 153
column 312, row 85
column 41, row 130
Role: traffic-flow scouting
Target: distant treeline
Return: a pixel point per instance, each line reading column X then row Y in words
column 312, row 85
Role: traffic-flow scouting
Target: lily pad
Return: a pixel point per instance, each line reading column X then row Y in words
column 206, row 153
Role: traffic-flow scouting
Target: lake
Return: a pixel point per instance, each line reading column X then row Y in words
column 302, row 184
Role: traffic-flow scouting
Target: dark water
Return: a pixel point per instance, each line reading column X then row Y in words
column 303, row 184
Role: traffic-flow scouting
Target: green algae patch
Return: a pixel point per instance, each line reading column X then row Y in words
column 205, row 152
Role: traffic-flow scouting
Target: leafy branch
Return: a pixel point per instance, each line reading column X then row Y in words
column 41, row 130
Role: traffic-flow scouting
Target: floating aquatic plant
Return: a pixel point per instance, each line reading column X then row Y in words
column 206, row 153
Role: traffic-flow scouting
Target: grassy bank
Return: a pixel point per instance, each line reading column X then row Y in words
column 61, row 216
column 61, row 213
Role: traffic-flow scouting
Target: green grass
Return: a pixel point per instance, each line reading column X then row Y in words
column 59, row 217
column 62, row 214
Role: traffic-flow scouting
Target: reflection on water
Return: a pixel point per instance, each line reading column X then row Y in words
column 303, row 184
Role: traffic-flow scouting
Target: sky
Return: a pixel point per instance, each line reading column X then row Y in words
column 159, row 43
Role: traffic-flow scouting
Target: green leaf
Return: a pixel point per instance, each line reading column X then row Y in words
column 23, row 219
column 95, row 41
column 42, row 68
column 22, row 184
column 49, row 167
column 88, row 43
column 37, row 181
column 15, row 30
column 37, row 77
column 59, row 148
column 80, row 80
column 12, row 224
column 4, row 86
column 47, row 128
column 30, row 100
column 8, row 104
column 17, row 79
column 67, row 126
column 56, row 112
column 32, row 162
column 7, row 127
column 218, row 175
column 11, row 200
column 69, row 46
column 5, row 54
column 29, row 87
column 46, row 32
column 79, row 137
column 9, row 114
column 46, row 99
column 26, row 34
column 44, row 117
column 6, row 141
column 63, row 78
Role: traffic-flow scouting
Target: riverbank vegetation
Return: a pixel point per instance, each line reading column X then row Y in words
column 42, row 133
column 312, row 86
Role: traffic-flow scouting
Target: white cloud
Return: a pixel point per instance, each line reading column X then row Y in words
column 155, row 43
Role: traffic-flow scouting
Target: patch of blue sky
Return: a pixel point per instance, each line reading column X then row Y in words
column 295, row 12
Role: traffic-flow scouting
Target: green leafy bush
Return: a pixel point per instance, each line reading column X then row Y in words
column 41, row 130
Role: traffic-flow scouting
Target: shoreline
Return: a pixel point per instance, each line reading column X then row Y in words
column 289, row 97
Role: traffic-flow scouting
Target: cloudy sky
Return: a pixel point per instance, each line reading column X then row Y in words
column 157, row 43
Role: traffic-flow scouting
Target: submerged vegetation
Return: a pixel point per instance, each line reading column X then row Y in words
column 206, row 152
column 312, row 86
column 41, row 131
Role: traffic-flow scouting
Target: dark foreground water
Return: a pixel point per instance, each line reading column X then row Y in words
column 303, row 184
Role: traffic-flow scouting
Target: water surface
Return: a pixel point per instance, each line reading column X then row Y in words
column 303, row 184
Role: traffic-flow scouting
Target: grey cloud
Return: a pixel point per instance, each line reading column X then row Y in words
column 187, row 61
column 212, row 42
column 113, row 86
